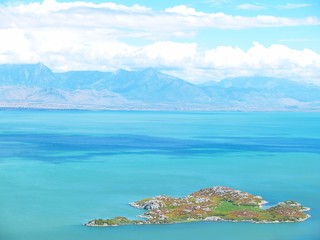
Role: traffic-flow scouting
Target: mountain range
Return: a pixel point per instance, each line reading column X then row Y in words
column 37, row 86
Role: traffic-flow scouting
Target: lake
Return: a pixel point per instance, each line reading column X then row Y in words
column 60, row 169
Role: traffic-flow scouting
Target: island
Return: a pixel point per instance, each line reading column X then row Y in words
column 210, row 204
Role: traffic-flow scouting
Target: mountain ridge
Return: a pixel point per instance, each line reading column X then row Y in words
column 36, row 85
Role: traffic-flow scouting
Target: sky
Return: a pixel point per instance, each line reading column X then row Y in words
column 196, row 40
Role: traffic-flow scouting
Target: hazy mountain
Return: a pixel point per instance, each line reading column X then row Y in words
column 82, row 80
column 36, row 85
column 263, row 92
column 31, row 75
column 38, row 97
column 265, row 85
column 153, row 86
column 148, row 85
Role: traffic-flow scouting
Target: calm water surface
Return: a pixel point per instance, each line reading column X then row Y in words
column 59, row 169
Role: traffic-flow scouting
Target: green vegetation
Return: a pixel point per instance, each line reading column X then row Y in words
column 115, row 221
column 228, row 207
column 210, row 204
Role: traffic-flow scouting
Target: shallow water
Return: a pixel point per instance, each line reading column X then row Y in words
column 59, row 169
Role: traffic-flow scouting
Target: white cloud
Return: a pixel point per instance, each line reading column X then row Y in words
column 276, row 60
column 68, row 52
column 15, row 46
column 217, row 2
column 134, row 18
column 170, row 53
column 184, row 10
column 250, row 7
column 82, row 35
column 53, row 6
column 294, row 5
column 259, row 6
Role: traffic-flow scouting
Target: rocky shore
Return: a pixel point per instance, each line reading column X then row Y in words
column 210, row 204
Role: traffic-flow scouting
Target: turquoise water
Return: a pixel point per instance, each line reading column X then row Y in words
column 59, row 169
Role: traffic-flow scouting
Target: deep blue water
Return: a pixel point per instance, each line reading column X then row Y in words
column 59, row 169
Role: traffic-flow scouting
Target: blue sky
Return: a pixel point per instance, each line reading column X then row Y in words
column 194, row 40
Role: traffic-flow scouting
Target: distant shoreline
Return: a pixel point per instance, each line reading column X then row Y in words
column 83, row 108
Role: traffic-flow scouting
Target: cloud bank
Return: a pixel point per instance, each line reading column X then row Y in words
column 259, row 6
column 83, row 35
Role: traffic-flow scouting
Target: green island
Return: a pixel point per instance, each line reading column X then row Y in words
column 210, row 204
